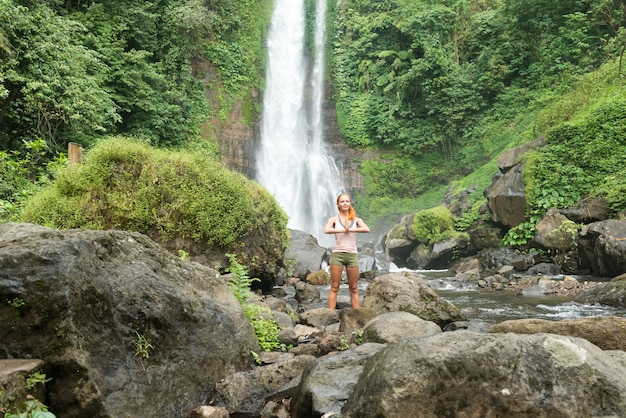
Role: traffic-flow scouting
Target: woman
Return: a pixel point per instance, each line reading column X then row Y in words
column 345, row 225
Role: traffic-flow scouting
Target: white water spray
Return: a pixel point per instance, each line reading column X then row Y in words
column 292, row 162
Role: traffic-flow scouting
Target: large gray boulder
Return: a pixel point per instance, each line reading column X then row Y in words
column 84, row 298
column 327, row 384
column 392, row 327
column 507, row 199
column 612, row 293
column 409, row 292
column 607, row 332
column 465, row 374
column 303, row 254
column 245, row 393
column 602, row 247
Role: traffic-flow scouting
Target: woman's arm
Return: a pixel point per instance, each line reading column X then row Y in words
column 329, row 228
column 360, row 226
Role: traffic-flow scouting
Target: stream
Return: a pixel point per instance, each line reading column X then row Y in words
column 491, row 307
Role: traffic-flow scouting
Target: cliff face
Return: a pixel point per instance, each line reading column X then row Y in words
column 238, row 143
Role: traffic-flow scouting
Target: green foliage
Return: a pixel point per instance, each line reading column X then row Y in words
column 260, row 317
column 184, row 255
column 393, row 175
column 142, row 348
column 467, row 219
column 432, row 225
column 519, row 235
column 265, row 327
column 357, row 336
column 32, row 408
column 240, row 283
column 34, row 378
column 53, row 83
column 16, row 303
column 584, row 156
column 462, row 80
column 74, row 71
column 21, row 173
column 127, row 185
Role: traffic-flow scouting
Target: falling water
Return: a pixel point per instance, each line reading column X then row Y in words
column 292, row 161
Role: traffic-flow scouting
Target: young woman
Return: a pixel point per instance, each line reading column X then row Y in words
column 345, row 225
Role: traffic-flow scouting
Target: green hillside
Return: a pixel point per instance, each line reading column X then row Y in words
column 439, row 88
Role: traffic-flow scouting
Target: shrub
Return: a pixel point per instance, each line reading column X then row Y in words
column 125, row 184
column 432, row 225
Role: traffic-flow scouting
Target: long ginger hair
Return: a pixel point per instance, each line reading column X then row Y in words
column 351, row 211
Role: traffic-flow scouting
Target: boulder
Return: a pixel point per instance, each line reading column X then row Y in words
column 245, row 393
column 512, row 157
column 497, row 257
column 306, row 293
column 602, row 248
column 398, row 243
column 303, row 254
column 484, row 237
column 367, row 266
column 588, row 210
column 506, row 198
column 611, row 293
column 124, row 327
column 355, row 319
column 556, row 232
column 409, row 292
column 326, row 385
column 608, row 333
column 392, row 327
column 320, row 277
column 466, row 374
column 320, row 317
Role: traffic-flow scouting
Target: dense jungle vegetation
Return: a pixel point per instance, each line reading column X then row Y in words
column 439, row 87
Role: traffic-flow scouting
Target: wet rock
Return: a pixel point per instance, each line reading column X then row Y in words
column 409, row 292
column 608, row 333
column 392, row 327
column 602, row 248
column 303, row 254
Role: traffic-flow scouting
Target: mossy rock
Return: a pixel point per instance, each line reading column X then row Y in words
column 432, row 225
column 180, row 199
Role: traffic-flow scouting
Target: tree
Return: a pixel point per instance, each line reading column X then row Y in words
column 53, row 85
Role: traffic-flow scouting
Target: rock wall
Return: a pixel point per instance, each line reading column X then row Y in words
column 238, row 143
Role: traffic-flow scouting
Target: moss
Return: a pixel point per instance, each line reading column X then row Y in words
column 125, row 184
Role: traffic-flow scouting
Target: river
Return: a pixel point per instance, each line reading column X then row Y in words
column 491, row 307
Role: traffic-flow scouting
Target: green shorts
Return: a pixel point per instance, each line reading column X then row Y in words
column 344, row 259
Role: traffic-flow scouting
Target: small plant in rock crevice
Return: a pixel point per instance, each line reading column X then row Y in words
column 142, row 348
column 16, row 302
column 34, row 378
column 240, row 282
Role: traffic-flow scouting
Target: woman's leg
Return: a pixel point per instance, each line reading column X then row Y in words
column 353, row 285
column 335, row 280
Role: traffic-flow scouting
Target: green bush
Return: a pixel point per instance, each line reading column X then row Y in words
column 432, row 225
column 124, row 184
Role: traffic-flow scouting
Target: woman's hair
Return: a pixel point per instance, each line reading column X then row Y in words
column 351, row 211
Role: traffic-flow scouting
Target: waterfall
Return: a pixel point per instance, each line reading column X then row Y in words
column 293, row 163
